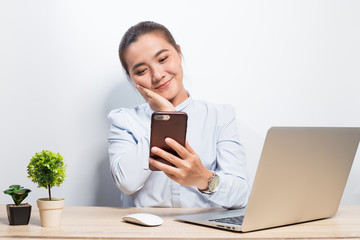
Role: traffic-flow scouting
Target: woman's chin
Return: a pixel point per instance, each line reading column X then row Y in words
column 167, row 95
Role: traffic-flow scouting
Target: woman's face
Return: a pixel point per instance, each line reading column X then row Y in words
column 155, row 64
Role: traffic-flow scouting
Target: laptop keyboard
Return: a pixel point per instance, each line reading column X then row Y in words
column 230, row 220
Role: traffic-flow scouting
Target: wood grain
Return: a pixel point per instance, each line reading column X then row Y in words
column 106, row 223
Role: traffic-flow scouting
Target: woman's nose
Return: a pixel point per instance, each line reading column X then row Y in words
column 157, row 74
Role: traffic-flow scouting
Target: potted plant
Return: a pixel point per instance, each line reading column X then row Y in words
column 47, row 169
column 18, row 213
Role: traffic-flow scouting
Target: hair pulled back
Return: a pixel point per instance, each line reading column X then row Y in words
column 138, row 30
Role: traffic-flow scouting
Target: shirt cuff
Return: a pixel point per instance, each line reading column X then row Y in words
column 227, row 195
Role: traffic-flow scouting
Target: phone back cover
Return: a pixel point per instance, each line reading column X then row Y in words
column 174, row 128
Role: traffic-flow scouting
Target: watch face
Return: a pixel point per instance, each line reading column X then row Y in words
column 214, row 184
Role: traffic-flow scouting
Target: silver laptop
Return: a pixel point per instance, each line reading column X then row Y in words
column 301, row 176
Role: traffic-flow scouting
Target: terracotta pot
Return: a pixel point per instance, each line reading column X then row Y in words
column 18, row 215
column 50, row 211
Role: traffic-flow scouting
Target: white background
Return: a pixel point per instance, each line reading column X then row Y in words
column 280, row 63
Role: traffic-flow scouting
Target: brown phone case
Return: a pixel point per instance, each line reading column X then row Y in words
column 163, row 125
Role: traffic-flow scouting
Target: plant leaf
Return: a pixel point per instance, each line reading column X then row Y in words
column 15, row 187
column 8, row 191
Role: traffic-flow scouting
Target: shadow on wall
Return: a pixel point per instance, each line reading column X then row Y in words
column 121, row 95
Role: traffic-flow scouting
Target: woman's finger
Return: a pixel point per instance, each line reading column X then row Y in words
column 155, row 101
column 145, row 93
column 188, row 147
column 167, row 169
column 181, row 150
column 167, row 156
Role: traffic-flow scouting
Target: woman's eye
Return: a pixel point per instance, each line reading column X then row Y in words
column 163, row 59
column 140, row 72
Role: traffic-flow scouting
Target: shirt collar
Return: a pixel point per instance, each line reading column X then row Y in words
column 184, row 106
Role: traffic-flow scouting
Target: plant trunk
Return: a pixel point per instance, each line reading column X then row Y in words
column 49, row 188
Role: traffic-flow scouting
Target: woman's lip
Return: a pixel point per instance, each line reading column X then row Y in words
column 164, row 85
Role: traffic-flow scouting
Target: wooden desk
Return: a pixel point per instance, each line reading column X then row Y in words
column 106, row 223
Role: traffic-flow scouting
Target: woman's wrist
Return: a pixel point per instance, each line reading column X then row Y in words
column 204, row 185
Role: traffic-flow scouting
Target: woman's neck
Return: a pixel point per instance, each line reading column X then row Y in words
column 180, row 97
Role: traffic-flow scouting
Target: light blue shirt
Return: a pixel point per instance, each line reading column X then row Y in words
column 211, row 132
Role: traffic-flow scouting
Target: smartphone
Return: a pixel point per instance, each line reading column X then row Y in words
column 163, row 125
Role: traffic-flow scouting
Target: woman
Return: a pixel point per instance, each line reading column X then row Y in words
column 210, row 170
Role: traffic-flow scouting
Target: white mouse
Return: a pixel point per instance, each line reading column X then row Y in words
column 145, row 219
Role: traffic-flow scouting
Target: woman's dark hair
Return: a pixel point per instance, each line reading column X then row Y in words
column 136, row 31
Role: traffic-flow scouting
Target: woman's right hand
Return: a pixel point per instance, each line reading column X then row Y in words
column 155, row 101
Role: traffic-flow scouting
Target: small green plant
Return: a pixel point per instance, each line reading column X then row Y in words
column 47, row 169
column 17, row 193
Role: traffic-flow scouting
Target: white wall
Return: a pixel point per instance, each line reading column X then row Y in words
column 278, row 62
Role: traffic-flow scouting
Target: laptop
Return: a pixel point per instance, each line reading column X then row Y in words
column 301, row 177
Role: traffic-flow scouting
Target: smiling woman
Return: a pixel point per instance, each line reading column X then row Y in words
column 156, row 65
column 209, row 170
column 152, row 60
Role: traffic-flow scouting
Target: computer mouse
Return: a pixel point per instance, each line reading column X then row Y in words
column 145, row 219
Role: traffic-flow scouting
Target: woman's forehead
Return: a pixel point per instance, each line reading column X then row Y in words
column 150, row 42
column 146, row 48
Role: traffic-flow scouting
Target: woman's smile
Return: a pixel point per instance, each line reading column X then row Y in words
column 165, row 84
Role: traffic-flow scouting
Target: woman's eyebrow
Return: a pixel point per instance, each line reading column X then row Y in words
column 155, row 56
column 160, row 52
column 137, row 65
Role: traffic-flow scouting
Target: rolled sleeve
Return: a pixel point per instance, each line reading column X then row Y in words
column 233, row 191
column 128, row 153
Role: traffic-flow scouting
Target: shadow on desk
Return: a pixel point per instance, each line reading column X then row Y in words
column 4, row 220
column 33, row 221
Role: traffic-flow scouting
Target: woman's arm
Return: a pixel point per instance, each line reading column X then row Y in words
column 234, row 190
column 129, row 154
column 129, row 151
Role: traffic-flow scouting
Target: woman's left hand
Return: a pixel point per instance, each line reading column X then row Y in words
column 188, row 170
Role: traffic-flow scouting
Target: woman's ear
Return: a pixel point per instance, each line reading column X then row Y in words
column 179, row 51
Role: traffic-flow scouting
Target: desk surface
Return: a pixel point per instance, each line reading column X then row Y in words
column 106, row 223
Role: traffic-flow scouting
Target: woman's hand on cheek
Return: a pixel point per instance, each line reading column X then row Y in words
column 189, row 170
column 155, row 101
